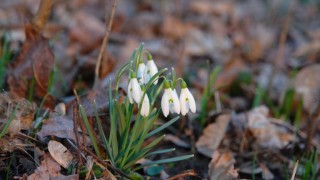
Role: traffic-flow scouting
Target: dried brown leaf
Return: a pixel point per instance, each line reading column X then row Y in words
column 179, row 29
column 60, row 153
column 49, row 169
column 23, row 118
column 307, row 84
column 267, row 134
column 59, row 126
column 212, row 135
column 36, row 61
column 221, row 166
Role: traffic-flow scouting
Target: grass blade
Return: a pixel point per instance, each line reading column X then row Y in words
column 102, row 134
column 6, row 126
column 165, row 125
column 162, row 151
column 169, row 160
column 90, row 131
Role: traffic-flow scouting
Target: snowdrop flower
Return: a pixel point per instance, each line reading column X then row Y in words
column 140, row 72
column 134, row 90
column 150, row 70
column 187, row 101
column 170, row 100
column 145, row 109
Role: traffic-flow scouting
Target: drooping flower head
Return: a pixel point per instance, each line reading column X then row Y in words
column 140, row 72
column 170, row 100
column 134, row 89
column 150, row 70
column 187, row 101
column 145, row 109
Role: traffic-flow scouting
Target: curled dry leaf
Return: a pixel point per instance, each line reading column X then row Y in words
column 60, row 153
column 49, row 169
column 23, row 117
column 87, row 101
column 59, row 126
column 212, row 135
column 60, row 109
column 307, row 84
column 221, row 166
column 267, row 134
column 34, row 64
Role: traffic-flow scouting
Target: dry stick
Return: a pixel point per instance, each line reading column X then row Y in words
column 40, row 20
column 106, row 164
column 295, row 170
column 104, row 47
column 283, row 38
column 76, row 119
column 183, row 175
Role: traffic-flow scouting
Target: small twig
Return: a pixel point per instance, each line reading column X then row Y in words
column 295, row 170
column 183, row 175
column 27, row 137
column 76, row 119
column 106, row 164
column 41, row 18
column 104, row 47
column 83, row 129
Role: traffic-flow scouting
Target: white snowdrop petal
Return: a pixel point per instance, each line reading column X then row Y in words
column 146, row 75
column 136, row 90
column 183, row 103
column 140, row 73
column 153, row 69
column 176, row 102
column 165, row 103
column 130, row 92
column 192, row 102
column 145, row 109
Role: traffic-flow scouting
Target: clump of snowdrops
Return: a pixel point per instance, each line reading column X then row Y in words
column 130, row 129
